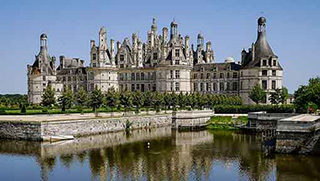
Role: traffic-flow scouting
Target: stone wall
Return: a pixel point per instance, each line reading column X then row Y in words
column 102, row 125
column 20, row 130
column 190, row 118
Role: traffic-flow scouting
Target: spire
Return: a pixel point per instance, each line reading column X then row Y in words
column 261, row 46
column 154, row 25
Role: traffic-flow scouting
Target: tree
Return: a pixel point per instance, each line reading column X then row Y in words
column 182, row 101
column 138, row 100
column 95, row 99
column 257, row 94
column 82, row 97
column 158, row 101
column 167, row 100
column 48, row 98
column 284, row 95
column 275, row 97
column 112, row 98
column 66, row 99
column 126, row 100
column 306, row 94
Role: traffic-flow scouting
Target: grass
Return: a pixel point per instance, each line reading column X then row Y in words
column 226, row 122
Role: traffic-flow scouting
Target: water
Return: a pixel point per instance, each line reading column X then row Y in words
column 157, row 154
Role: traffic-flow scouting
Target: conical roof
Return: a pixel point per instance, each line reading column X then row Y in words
column 262, row 47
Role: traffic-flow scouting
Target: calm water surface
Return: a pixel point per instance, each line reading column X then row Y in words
column 157, row 154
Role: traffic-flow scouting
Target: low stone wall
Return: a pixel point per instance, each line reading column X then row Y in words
column 20, row 130
column 102, row 125
column 190, row 119
column 33, row 130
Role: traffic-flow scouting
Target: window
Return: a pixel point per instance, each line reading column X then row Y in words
column 171, row 74
column 195, row 86
column 195, row 76
column 177, row 74
column 44, row 78
column 177, row 86
column 264, row 84
column 221, row 86
column 264, row 72
column 154, row 88
column 177, row 62
column 142, row 87
column 234, row 86
column 121, row 77
column 264, row 62
column 274, row 73
column 69, row 78
column 149, row 76
column 121, row 65
column 155, row 56
column 235, row 75
column 177, row 53
column 214, row 75
column 208, row 75
column 274, row 62
column 94, row 65
column 241, row 85
column 133, row 76
column 221, row 75
column 138, row 76
column 273, row 84
column 121, row 58
column 94, row 56
column 201, row 87
column 201, row 76
column 64, row 79
column 214, row 87
column 214, row 69
column 228, row 75
column 208, row 87
column 125, row 76
column 228, row 85
column 270, row 63
column 132, row 87
column 142, row 76
column 138, row 86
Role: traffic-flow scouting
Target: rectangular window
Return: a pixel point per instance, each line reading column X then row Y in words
column 44, row 78
column 195, row 86
column 94, row 56
column 208, row 87
column 171, row 74
column 121, row 58
column 142, row 76
column 228, row 85
column 228, row 75
column 121, row 77
column 235, row 75
column 94, row 65
column 214, row 86
column 274, row 73
column 274, row 62
column 177, row 62
column 264, row 72
column 234, row 86
column 221, row 75
column 273, row 84
column 177, row 53
column 201, row 76
column 214, row 75
column 208, row 75
column 177, row 74
column 121, row 65
column 142, row 87
column 132, row 87
column 195, row 76
column 138, row 86
column 201, row 87
column 264, row 84
column 221, row 86
column 264, row 62
column 133, row 76
column 177, row 86
column 155, row 56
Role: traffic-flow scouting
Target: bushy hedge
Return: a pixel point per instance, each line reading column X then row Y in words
column 243, row 109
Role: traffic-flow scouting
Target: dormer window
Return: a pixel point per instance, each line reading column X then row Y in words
column 121, row 58
column 274, row 62
column 94, row 56
column 155, row 56
column 264, row 62
column 214, row 69
column 177, row 53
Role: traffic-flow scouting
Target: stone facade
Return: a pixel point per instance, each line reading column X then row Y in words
column 164, row 63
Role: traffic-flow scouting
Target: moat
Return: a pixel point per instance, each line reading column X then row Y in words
column 152, row 154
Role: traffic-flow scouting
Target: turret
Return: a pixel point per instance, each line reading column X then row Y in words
column 165, row 35
column 200, row 41
column 154, row 26
column 174, row 30
column 112, row 54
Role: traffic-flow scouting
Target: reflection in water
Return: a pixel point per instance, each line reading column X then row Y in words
column 158, row 154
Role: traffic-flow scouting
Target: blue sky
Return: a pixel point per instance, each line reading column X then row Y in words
column 293, row 29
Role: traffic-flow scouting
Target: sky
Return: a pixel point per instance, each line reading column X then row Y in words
column 293, row 29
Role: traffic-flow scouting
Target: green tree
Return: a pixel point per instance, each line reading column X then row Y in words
column 167, row 100
column 112, row 98
column 126, row 100
column 138, row 100
column 95, row 99
column 158, row 100
column 275, row 97
column 182, row 100
column 257, row 94
column 306, row 94
column 66, row 99
column 48, row 98
column 284, row 95
column 82, row 97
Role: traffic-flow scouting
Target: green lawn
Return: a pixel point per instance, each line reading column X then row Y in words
column 226, row 122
